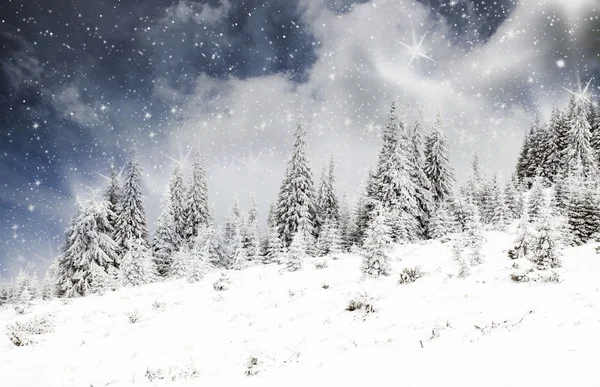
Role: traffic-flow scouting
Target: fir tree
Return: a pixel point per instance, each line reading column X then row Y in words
column 297, row 253
column 578, row 149
column 442, row 222
column 345, row 224
column 423, row 193
column 251, row 233
column 196, row 212
column 89, row 251
column 537, row 199
column 474, row 237
column 131, row 221
column 274, row 246
column 500, row 213
column 522, row 245
column 377, row 241
column 296, row 192
column 113, row 197
column 137, row 267
column 513, row 200
column 545, row 248
column 328, row 242
column 166, row 239
column 177, row 199
column 180, row 267
column 437, row 164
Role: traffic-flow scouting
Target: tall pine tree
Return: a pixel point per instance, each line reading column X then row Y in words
column 196, row 212
column 437, row 163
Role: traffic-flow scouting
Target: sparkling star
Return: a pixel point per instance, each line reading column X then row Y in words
column 31, row 208
column 581, row 94
column 416, row 50
column 147, row 116
column 560, row 63
column 173, row 110
column 152, row 134
column 35, row 125
column 37, row 183
column 103, row 107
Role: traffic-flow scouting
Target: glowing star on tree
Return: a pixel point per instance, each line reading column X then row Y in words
column 581, row 94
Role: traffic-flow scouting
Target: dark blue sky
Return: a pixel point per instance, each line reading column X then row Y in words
column 65, row 66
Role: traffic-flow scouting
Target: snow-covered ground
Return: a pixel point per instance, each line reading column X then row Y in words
column 485, row 330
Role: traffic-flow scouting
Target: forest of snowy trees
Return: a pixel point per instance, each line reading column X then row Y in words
column 410, row 195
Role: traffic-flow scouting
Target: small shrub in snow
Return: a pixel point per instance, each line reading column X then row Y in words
column 158, row 305
column 21, row 308
column 325, row 286
column 410, row 275
column 222, row 283
column 519, row 277
column 252, row 366
column 362, row 302
column 133, row 316
column 20, row 333
column 321, row 264
column 173, row 374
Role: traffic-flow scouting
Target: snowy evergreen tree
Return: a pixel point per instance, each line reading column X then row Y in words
column 437, row 163
column 474, row 237
column 500, row 214
column 514, row 201
column 328, row 242
column 423, row 193
column 442, row 222
column 252, row 234
column 25, row 287
column 274, row 246
column 377, row 241
column 537, row 199
column 327, row 202
column 178, row 202
column 523, row 160
column 522, row 245
column 545, row 252
column 166, row 240
column 131, row 221
column 296, row 192
column 363, row 211
column 50, row 289
column 196, row 211
column 180, row 267
column 394, row 188
column 113, row 197
column 578, row 149
column 89, row 251
column 345, row 224
column 137, row 267
column 296, row 253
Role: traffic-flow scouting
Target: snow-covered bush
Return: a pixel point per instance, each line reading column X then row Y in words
column 252, row 366
column 321, row 264
column 173, row 374
column 410, row 275
column 362, row 302
column 21, row 333
column 222, row 283
column 133, row 316
column 158, row 305
column 325, row 286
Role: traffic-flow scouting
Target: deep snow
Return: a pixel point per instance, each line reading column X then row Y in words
column 485, row 330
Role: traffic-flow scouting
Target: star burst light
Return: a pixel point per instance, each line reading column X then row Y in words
column 581, row 94
column 416, row 50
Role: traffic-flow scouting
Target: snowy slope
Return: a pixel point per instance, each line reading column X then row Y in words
column 422, row 333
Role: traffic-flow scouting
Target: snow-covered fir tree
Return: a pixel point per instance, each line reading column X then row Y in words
column 166, row 240
column 233, row 238
column 296, row 254
column 393, row 186
column 522, row 244
column 437, row 163
column 327, row 202
column 421, row 181
column 442, row 223
column 296, row 192
column 514, row 201
column 578, row 149
column 89, row 251
column 274, row 246
column 473, row 238
column 537, row 199
column 545, row 251
column 178, row 202
column 131, row 220
column 113, row 197
column 345, row 222
column 25, row 287
column 500, row 216
column 49, row 288
column 328, row 242
column 196, row 211
column 180, row 267
column 137, row 267
column 252, row 233
column 377, row 241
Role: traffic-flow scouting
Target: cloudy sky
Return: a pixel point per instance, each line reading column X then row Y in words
column 81, row 82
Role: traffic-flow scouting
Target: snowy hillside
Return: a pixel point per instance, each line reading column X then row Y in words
column 440, row 330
